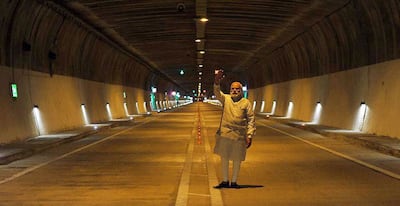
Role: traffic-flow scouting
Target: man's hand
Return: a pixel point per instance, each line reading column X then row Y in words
column 219, row 74
column 248, row 142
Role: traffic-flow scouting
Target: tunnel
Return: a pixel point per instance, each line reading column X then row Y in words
column 72, row 64
column 63, row 55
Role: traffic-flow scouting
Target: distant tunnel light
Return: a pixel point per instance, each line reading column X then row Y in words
column 273, row 107
column 109, row 111
column 84, row 114
column 14, row 90
column 262, row 106
column 38, row 119
column 317, row 113
column 361, row 117
column 124, row 95
column 289, row 110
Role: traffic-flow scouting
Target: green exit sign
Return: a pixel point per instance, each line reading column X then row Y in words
column 14, row 90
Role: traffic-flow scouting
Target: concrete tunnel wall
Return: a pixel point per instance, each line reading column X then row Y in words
column 350, row 56
column 59, row 99
column 340, row 95
column 59, row 63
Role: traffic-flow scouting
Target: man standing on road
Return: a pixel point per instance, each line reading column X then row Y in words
column 236, row 129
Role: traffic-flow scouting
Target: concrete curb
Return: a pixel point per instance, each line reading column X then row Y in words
column 383, row 144
column 20, row 150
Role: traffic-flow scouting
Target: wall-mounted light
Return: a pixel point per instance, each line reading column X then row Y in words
column 273, row 107
column 317, row 113
column 361, row 116
column 262, row 106
column 109, row 111
column 124, row 94
column 84, row 114
column 290, row 110
column 137, row 107
column 14, row 90
column 181, row 72
column 126, row 109
column 38, row 119
column 202, row 51
column 197, row 40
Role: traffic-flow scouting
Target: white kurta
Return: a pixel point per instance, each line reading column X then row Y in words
column 237, row 122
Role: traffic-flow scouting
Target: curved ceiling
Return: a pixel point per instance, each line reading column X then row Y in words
column 238, row 32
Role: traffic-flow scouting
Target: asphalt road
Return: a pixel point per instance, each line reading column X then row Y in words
column 166, row 159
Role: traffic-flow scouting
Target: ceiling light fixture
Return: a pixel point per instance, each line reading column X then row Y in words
column 203, row 19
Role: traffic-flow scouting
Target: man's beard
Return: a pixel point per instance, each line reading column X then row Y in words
column 236, row 97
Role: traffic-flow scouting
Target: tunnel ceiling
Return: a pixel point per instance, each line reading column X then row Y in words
column 237, row 33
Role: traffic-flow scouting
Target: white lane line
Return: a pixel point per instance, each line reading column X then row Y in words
column 198, row 194
column 183, row 189
column 363, row 163
column 215, row 194
column 30, row 169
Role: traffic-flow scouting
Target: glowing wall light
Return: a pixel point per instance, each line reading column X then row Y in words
column 289, row 110
column 137, row 108
column 317, row 113
column 273, row 107
column 84, row 114
column 126, row 109
column 361, row 116
column 38, row 119
column 262, row 106
column 254, row 105
column 109, row 111
column 124, row 95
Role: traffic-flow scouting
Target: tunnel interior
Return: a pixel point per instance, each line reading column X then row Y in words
column 65, row 64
